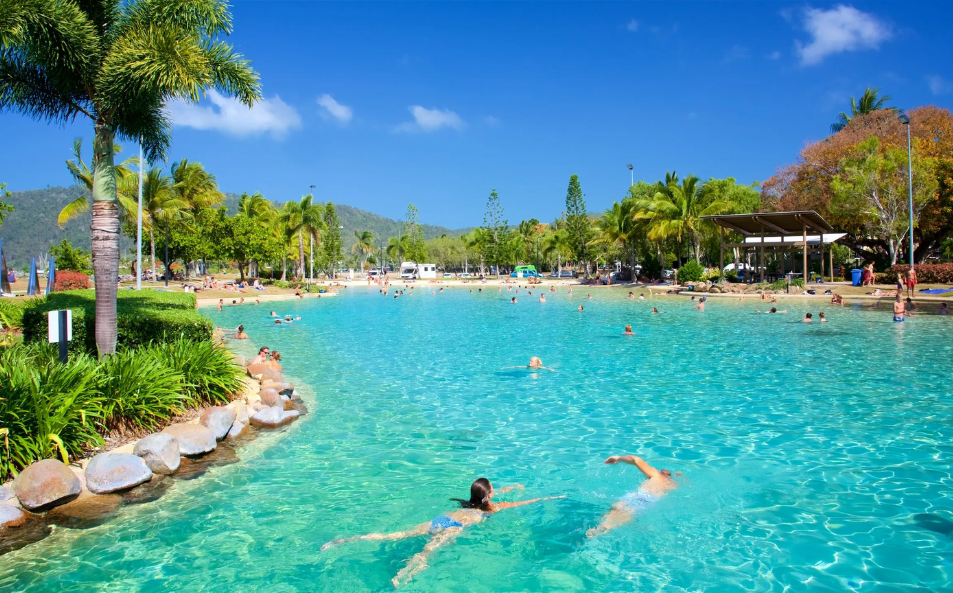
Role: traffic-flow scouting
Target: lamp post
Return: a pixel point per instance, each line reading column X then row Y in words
column 905, row 120
column 631, row 175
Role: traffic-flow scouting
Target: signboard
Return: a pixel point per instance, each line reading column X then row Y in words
column 54, row 321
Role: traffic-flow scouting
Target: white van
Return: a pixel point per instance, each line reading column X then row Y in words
column 408, row 270
column 427, row 271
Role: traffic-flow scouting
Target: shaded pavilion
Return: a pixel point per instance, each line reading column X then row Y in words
column 778, row 232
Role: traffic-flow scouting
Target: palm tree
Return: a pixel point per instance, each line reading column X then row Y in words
column 159, row 203
column 869, row 102
column 676, row 211
column 397, row 246
column 255, row 206
column 81, row 174
column 118, row 64
column 556, row 243
column 363, row 245
column 303, row 217
column 617, row 227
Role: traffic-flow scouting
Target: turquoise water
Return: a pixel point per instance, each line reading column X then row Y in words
column 815, row 456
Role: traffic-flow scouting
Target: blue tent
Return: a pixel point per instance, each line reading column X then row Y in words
column 32, row 283
column 51, row 276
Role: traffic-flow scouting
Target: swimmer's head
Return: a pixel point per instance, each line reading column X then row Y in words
column 628, row 329
column 481, row 492
column 535, row 362
column 667, row 473
column 241, row 328
column 774, row 309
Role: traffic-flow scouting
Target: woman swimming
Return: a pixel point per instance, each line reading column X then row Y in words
column 444, row 528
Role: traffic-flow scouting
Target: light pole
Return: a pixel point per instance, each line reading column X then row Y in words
column 139, row 226
column 311, row 277
column 631, row 175
column 905, row 120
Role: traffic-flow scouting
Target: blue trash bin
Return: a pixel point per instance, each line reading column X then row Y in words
column 855, row 276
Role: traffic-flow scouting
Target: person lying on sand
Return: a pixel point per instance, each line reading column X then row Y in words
column 446, row 527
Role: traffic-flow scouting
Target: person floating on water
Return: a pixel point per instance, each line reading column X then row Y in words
column 445, row 528
column 513, row 300
column 580, row 309
column 658, row 484
column 628, row 331
column 542, row 298
column 807, row 318
column 822, row 318
column 655, row 310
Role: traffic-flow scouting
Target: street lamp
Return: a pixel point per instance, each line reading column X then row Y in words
column 139, row 226
column 905, row 120
column 631, row 174
column 311, row 254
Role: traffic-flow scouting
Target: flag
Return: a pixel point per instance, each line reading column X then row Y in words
column 32, row 283
column 51, row 276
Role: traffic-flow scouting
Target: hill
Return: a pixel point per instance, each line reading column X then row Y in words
column 31, row 228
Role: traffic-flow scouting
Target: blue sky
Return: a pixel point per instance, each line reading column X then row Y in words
column 381, row 104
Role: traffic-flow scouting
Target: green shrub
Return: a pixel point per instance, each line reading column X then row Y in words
column 782, row 284
column 139, row 391
column 210, row 376
column 692, row 271
column 143, row 317
column 11, row 311
column 731, row 276
column 47, row 410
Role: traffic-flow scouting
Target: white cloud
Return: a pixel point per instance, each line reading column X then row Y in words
column 737, row 52
column 840, row 29
column 632, row 25
column 342, row 113
column 939, row 86
column 430, row 120
column 775, row 55
column 229, row 115
column 492, row 121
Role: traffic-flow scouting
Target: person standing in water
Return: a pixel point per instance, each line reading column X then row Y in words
column 445, row 528
column 658, row 483
column 899, row 309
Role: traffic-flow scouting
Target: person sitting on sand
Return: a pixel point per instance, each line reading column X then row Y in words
column 298, row 293
column 898, row 309
column 261, row 357
column 658, row 484
column 628, row 331
column 445, row 528
column 807, row 318
column 240, row 334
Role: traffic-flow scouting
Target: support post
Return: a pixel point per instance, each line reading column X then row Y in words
column 761, row 255
column 64, row 344
column 721, row 256
column 822, row 254
column 830, row 255
column 804, row 269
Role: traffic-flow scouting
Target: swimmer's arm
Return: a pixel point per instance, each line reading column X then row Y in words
column 508, row 505
column 510, row 488
column 645, row 468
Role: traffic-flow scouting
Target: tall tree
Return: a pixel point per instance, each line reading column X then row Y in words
column 577, row 222
column 869, row 102
column 494, row 228
column 617, row 227
column 363, row 245
column 332, row 238
column 416, row 250
column 81, row 173
column 4, row 208
column 117, row 64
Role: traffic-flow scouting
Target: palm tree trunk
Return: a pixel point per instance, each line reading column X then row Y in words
column 301, row 253
column 104, row 235
column 152, row 246
column 284, row 267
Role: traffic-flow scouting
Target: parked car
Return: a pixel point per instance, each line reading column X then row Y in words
column 466, row 275
column 447, row 275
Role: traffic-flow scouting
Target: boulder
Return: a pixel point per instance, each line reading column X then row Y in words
column 160, row 451
column 276, row 385
column 237, row 429
column 109, row 472
column 273, row 417
column 265, row 371
column 287, row 404
column 240, row 409
column 270, row 397
column 257, row 408
column 11, row 516
column 239, row 360
column 218, row 419
column 194, row 439
column 46, row 484
column 6, row 493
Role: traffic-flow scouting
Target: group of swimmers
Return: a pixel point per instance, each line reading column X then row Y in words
column 444, row 528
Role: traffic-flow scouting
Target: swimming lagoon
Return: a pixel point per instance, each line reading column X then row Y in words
column 815, row 456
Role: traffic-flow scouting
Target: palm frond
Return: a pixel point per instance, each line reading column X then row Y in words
column 72, row 210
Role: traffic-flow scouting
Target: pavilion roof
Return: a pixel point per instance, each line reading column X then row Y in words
column 773, row 224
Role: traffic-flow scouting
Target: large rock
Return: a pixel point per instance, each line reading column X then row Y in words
column 194, row 439
column 160, row 451
column 270, row 397
column 287, row 404
column 276, row 385
column 240, row 409
column 218, row 419
column 237, row 429
column 273, row 417
column 109, row 472
column 6, row 493
column 11, row 516
column 46, row 484
column 265, row 371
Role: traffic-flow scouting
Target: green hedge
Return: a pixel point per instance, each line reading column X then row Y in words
column 11, row 311
column 142, row 318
